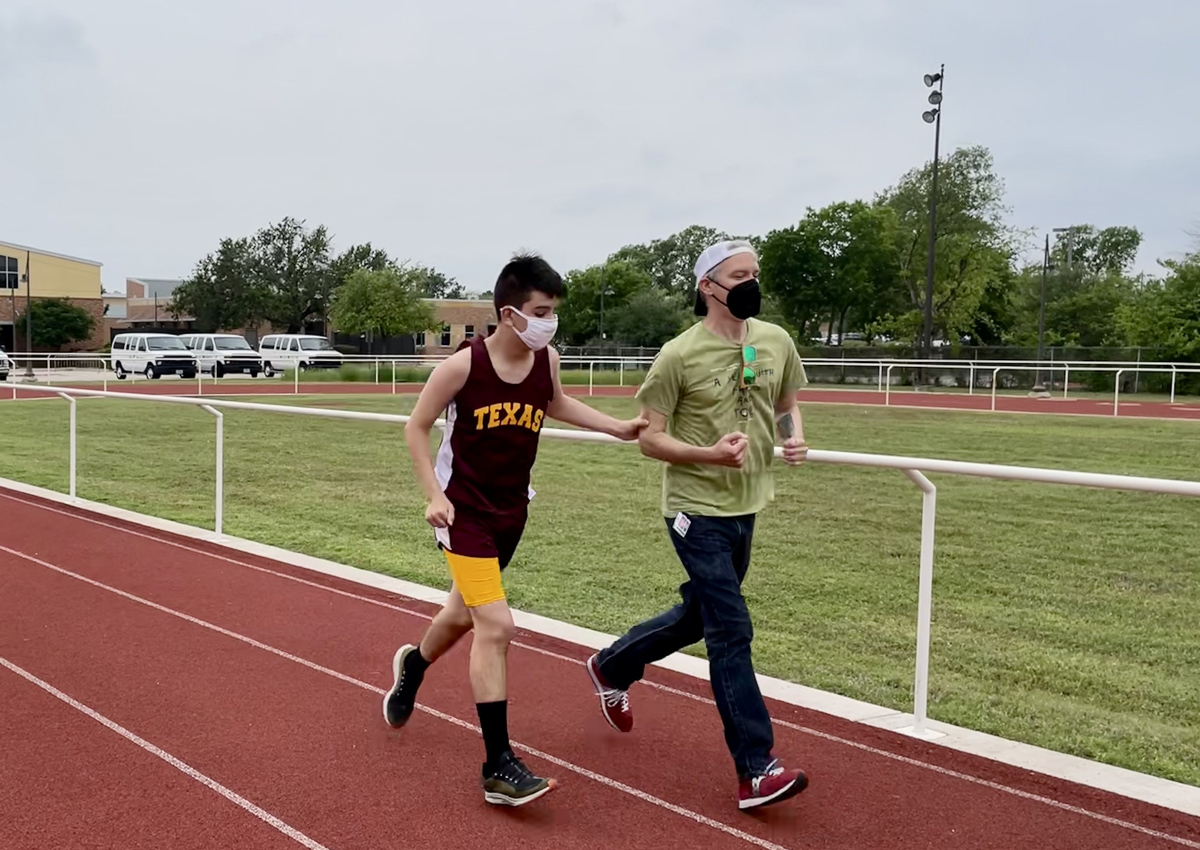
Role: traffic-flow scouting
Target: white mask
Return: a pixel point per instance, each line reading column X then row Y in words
column 538, row 332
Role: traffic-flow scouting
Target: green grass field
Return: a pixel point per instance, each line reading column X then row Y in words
column 1063, row 617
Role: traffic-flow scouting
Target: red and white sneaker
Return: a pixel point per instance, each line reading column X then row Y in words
column 775, row 784
column 614, row 704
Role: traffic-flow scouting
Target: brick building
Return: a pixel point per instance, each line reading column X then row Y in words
column 36, row 274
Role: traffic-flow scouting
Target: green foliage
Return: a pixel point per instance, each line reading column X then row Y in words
column 579, row 316
column 838, row 263
column 382, row 303
column 670, row 262
column 974, row 247
column 650, row 318
column 58, row 322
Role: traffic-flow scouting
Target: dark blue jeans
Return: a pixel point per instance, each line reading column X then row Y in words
column 716, row 554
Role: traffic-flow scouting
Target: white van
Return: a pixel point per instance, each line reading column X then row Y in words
column 221, row 354
column 151, row 354
column 281, row 352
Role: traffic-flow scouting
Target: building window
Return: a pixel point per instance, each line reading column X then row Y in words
column 420, row 340
column 445, row 336
column 9, row 278
column 469, row 332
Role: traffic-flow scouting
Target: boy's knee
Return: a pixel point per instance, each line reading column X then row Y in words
column 494, row 624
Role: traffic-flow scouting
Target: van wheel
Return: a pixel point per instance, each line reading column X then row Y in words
column 218, row 370
column 253, row 373
column 120, row 372
column 151, row 375
column 188, row 374
column 268, row 372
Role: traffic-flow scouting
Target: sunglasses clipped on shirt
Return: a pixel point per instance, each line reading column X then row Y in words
column 746, row 380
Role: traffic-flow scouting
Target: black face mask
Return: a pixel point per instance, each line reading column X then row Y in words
column 744, row 300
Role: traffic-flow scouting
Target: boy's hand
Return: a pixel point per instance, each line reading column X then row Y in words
column 440, row 513
column 628, row 429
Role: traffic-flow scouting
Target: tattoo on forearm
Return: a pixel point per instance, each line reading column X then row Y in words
column 787, row 428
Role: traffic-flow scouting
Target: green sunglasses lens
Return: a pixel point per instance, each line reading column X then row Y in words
column 749, row 354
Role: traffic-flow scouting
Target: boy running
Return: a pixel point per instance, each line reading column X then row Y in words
column 496, row 394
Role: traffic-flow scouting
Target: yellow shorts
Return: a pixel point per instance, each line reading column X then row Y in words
column 477, row 579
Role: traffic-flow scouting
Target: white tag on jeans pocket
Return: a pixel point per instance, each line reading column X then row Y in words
column 681, row 525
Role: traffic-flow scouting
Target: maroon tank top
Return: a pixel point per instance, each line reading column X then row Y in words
column 491, row 436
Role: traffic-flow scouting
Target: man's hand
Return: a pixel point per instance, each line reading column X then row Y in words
column 730, row 450
column 794, row 451
column 628, row 429
column 440, row 513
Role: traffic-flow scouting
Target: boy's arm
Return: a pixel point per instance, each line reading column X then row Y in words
column 564, row 408
column 441, row 388
column 656, row 443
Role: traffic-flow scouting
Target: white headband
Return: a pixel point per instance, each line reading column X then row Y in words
column 714, row 255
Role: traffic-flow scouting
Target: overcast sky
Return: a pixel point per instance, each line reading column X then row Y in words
column 451, row 133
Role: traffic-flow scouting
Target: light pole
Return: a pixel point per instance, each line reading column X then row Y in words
column 1038, row 387
column 29, row 376
column 932, row 116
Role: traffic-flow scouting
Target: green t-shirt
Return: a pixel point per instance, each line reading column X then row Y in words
column 694, row 382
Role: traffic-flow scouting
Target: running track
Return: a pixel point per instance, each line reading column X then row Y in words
column 157, row 691
column 939, row 401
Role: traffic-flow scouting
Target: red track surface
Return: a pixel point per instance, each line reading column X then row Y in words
column 302, row 737
column 940, row 401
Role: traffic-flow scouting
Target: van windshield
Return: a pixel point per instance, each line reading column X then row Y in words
column 165, row 343
column 232, row 343
column 316, row 345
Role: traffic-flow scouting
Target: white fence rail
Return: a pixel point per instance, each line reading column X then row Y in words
column 913, row 467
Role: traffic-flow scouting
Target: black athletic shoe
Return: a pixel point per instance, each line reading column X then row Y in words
column 399, row 702
column 510, row 783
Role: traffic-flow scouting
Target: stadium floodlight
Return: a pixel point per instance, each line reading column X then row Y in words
column 932, row 116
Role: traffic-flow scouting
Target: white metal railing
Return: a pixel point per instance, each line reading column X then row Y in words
column 913, row 467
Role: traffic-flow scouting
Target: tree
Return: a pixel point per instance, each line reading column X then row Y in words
column 58, row 322
column 670, row 263
column 437, row 285
column 838, row 263
column 292, row 264
column 650, row 318
column 381, row 304
column 1108, row 251
column 974, row 247
column 222, row 292
column 579, row 317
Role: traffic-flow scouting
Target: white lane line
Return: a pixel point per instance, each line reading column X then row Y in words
column 603, row 780
column 1006, row 789
column 232, row 796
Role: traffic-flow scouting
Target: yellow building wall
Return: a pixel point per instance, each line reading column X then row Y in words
column 54, row 276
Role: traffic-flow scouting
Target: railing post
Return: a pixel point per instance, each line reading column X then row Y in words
column 995, row 373
column 71, row 399
column 394, row 377
column 219, row 512
column 591, row 365
column 887, row 396
column 971, row 381
column 1117, row 392
column 1174, row 372
column 1066, row 378
column 924, row 603
column 296, row 380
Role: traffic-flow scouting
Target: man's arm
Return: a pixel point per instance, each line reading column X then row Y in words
column 564, row 408
column 656, row 443
column 443, row 384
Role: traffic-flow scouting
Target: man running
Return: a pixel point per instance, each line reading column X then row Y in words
column 714, row 398
column 496, row 394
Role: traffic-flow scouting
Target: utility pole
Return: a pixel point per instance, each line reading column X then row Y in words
column 29, row 376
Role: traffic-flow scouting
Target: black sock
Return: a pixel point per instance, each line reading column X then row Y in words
column 493, row 720
column 416, row 664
